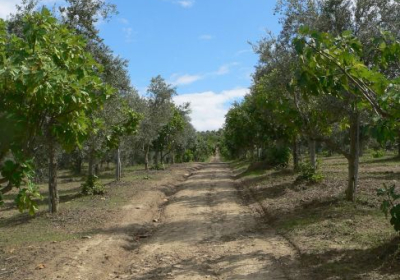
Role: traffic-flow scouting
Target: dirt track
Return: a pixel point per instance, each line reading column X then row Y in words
column 205, row 231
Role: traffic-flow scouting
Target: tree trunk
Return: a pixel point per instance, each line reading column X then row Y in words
column 313, row 157
column 78, row 165
column 146, row 157
column 118, row 168
column 53, row 192
column 156, row 154
column 173, row 157
column 91, row 163
column 162, row 157
column 295, row 153
column 353, row 159
column 398, row 144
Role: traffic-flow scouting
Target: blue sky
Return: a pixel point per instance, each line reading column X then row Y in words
column 199, row 46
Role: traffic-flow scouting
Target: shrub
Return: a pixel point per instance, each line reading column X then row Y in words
column 390, row 205
column 278, row 156
column 326, row 153
column 158, row 166
column 92, row 186
column 188, row 156
column 309, row 173
column 378, row 153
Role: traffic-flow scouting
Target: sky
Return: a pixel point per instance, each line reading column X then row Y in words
column 199, row 46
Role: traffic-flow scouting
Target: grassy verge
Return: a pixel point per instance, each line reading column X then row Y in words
column 337, row 239
column 78, row 214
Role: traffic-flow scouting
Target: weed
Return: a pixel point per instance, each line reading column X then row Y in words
column 92, row 186
column 309, row 173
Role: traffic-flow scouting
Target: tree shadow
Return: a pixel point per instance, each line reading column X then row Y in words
column 381, row 160
column 355, row 263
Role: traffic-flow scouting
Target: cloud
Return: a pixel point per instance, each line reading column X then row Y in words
column 129, row 34
column 187, row 79
column 209, row 108
column 184, row 79
column 186, row 3
column 224, row 69
column 123, row 21
column 238, row 53
column 9, row 6
column 206, row 37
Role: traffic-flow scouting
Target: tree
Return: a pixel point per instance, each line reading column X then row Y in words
column 50, row 85
column 166, row 138
column 158, row 113
column 339, row 66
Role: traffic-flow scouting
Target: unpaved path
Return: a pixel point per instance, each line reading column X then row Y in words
column 205, row 231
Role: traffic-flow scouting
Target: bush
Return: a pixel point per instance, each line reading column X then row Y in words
column 92, row 186
column 378, row 153
column 188, row 156
column 390, row 205
column 326, row 153
column 278, row 156
column 158, row 166
column 309, row 173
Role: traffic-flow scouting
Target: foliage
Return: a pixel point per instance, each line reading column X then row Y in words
column 378, row 153
column 188, row 156
column 337, row 64
column 26, row 198
column 49, row 85
column 308, row 173
column 92, row 186
column 278, row 156
column 390, row 205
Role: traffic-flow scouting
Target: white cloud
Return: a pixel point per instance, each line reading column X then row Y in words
column 123, row 21
column 184, row 79
column 8, row 7
column 187, row 79
column 206, row 37
column 129, row 34
column 209, row 108
column 238, row 53
column 224, row 69
column 186, row 3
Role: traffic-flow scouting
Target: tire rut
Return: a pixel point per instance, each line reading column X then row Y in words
column 208, row 233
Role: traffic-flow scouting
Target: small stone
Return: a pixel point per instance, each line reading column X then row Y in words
column 155, row 221
column 40, row 266
column 86, row 237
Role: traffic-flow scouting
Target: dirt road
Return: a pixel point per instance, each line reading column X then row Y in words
column 205, row 231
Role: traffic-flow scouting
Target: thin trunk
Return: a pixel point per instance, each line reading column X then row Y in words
column 91, row 163
column 313, row 157
column 361, row 144
column 146, row 157
column 162, row 157
column 295, row 154
column 398, row 144
column 53, row 192
column 173, row 157
column 78, row 165
column 156, row 158
column 353, row 159
column 118, row 165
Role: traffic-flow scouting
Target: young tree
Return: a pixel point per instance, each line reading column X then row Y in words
column 159, row 112
column 48, row 84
